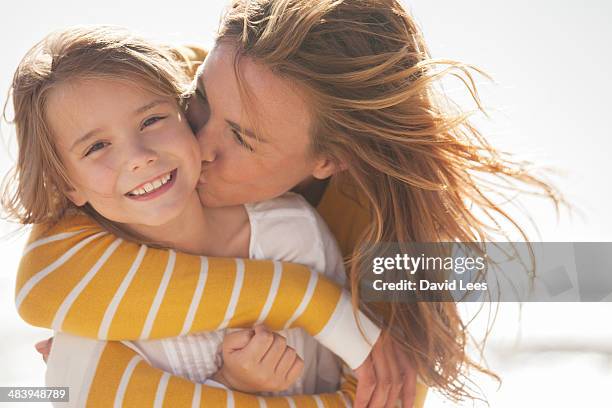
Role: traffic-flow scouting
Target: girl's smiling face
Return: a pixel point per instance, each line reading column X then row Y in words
column 118, row 141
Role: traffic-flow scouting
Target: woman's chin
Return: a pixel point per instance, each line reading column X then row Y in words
column 206, row 198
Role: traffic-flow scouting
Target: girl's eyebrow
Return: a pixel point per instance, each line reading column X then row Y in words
column 150, row 105
column 85, row 138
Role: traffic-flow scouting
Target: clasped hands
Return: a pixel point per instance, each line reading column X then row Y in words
column 259, row 360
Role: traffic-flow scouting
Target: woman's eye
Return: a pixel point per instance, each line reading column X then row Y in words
column 198, row 112
column 93, row 147
column 240, row 140
column 151, row 121
column 200, row 96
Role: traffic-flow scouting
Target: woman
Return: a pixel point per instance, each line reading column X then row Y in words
column 347, row 88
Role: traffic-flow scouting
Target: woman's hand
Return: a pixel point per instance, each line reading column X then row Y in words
column 44, row 348
column 258, row 360
column 385, row 375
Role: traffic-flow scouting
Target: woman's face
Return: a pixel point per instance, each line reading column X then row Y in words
column 128, row 152
column 255, row 154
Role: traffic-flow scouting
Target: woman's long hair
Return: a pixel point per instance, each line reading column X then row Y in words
column 376, row 107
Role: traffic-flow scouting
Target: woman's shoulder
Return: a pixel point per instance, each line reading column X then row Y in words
column 287, row 228
column 345, row 210
column 291, row 216
column 287, row 205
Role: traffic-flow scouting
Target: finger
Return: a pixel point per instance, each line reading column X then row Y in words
column 260, row 343
column 396, row 372
column 410, row 378
column 285, row 362
column 383, row 375
column 295, row 371
column 44, row 346
column 366, row 382
column 237, row 340
column 275, row 352
column 41, row 345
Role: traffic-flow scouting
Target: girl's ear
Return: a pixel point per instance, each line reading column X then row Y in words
column 327, row 167
column 76, row 197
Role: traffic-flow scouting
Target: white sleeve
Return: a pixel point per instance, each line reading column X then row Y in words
column 288, row 229
column 72, row 363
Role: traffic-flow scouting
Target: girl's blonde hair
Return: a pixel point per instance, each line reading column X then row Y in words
column 376, row 107
column 35, row 191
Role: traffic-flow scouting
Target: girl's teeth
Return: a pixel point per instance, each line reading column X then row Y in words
column 147, row 188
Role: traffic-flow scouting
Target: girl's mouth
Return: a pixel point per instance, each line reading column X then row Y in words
column 154, row 189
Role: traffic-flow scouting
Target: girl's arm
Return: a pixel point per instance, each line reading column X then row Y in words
column 77, row 278
column 103, row 374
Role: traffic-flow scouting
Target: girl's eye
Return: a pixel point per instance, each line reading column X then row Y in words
column 93, row 147
column 240, row 140
column 151, row 121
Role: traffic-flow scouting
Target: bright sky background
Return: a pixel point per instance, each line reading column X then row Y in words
column 550, row 60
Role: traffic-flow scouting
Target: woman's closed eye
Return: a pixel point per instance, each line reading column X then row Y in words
column 198, row 111
column 200, row 96
column 240, row 140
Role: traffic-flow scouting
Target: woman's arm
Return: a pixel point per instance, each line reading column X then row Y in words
column 79, row 279
column 103, row 374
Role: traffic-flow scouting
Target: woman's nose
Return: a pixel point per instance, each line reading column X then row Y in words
column 209, row 147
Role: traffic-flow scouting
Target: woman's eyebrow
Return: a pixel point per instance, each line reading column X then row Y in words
column 201, row 88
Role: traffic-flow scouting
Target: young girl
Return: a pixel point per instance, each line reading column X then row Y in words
column 101, row 131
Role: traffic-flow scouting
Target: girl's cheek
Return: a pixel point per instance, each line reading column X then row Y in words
column 104, row 177
column 191, row 151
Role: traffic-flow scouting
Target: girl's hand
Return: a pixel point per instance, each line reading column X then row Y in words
column 44, row 348
column 258, row 361
column 385, row 375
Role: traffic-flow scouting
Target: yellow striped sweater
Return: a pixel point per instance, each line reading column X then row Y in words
column 77, row 278
column 71, row 279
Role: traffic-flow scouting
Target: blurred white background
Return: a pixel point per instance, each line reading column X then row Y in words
column 549, row 104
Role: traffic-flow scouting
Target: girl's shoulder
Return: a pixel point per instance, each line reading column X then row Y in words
column 71, row 222
column 287, row 228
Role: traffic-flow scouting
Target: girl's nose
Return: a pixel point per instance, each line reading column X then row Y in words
column 141, row 157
